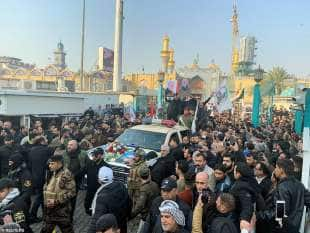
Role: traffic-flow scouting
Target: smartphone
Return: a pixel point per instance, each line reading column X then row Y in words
column 280, row 209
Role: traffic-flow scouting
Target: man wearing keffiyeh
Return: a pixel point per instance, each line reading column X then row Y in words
column 171, row 217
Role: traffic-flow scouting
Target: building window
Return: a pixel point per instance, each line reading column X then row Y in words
column 124, row 88
column 70, row 85
column 108, row 86
column 51, row 86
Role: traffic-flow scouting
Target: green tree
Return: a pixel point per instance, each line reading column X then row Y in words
column 277, row 76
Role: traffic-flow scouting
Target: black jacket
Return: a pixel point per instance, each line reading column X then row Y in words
column 5, row 152
column 163, row 168
column 153, row 223
column 265, row 186
column 19, row 212
column 181, row 230
column 223, row 224
column 37, row 163
column 202, row 118
column 296, row 197
column 174, row 110
column 265, row 225
column 112, row 199
column 22, row 180
column 212, row 160
column 177, row 153
column 92, row 169
column 246, row 191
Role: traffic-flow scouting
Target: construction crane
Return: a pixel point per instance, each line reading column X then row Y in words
column 235, row 40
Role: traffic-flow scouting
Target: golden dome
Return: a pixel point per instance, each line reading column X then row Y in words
column 213, row 66
column 194, row 66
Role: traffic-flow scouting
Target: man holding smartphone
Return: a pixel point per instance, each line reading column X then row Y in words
column 290, row 198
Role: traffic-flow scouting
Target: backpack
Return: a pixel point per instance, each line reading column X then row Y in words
column 223, row 225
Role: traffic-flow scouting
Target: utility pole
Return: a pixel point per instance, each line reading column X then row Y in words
column 118, row 45
column 82, row 49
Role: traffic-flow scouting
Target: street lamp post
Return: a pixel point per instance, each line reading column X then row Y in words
column 257, row 97
column 160, row 102
column 270, row 108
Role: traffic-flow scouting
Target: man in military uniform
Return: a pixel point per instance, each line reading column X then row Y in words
column 134, row 181
column 21, row 176
column 13, row 206
column 148, row 192
column 58, row 191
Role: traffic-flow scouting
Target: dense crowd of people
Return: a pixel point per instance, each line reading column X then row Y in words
column 226, row 177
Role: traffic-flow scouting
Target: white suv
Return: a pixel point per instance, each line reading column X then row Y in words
column 147, row 137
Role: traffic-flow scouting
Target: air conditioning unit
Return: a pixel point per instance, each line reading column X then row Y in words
column 28, row 85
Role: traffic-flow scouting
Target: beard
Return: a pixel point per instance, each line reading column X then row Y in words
column 228, row 167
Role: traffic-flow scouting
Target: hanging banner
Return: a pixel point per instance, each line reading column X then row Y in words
column 172, row 87
column 222, row 100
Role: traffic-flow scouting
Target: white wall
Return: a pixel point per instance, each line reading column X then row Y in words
column 30, row 102
column 19, row 104
column 94, row 100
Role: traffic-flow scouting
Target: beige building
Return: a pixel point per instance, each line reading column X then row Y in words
column 15, row 74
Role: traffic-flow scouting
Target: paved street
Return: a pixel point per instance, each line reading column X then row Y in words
column 81, row 220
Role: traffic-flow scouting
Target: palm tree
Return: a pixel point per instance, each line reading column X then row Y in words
column 277, row 76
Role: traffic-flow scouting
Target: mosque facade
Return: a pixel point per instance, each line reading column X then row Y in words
column 15, row 74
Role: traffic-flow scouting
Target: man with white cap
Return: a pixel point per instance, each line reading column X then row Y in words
column 171, row 217
column 164, row 166
column 111, row 198
column 93, row 164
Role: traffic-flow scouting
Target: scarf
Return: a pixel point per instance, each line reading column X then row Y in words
column 11, row 195
column 93, row 204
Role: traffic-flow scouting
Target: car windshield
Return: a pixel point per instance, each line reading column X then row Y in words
column 141, row 138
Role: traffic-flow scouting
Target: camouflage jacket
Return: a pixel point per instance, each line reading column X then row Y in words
column 134, row 178
column 60, row 187
column 76, row 163
column 148, row 191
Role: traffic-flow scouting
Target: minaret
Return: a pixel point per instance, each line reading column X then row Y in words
column 171, row 62
column 60, row 56
column 235, row 38
column 118, row 40
column 165, row 54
